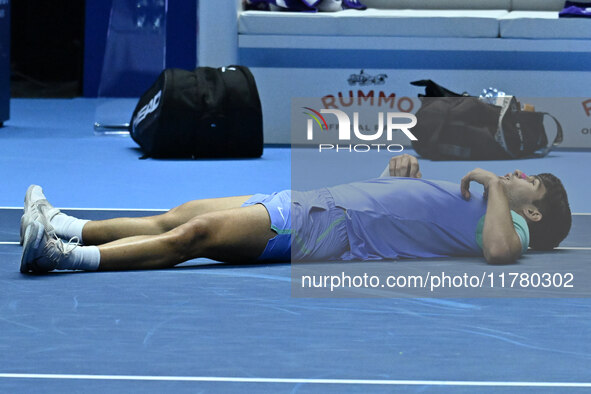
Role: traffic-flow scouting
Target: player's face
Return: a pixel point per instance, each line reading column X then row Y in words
column 522, row 189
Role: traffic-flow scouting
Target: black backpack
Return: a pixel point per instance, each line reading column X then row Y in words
column 204, row 113
column 453, row 126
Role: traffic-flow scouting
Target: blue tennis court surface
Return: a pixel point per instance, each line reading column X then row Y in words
column 210, row 327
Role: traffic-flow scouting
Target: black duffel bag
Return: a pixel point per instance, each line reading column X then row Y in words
column 453, row 126
column 204, row 113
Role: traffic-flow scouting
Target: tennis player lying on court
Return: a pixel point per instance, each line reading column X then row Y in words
column 399, row 215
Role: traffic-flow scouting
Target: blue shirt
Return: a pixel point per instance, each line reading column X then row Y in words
column 413, row 218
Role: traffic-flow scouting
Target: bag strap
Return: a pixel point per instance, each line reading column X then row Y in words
column 509, row 105
column 557, row 139
column 500, row 135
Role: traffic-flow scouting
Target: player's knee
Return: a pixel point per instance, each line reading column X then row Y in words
column 167, row 221
column 190, row 239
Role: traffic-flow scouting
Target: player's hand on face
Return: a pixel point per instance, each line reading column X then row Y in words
column 405, row 166
column 477, row 175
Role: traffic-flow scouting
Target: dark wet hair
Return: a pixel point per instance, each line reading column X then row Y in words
column 556, row 216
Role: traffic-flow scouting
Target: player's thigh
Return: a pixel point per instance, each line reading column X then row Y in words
column 187, row 211
column 238, row 234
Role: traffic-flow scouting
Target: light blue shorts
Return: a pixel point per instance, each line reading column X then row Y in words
column 318, row 227
column 278, row 206
column 309, row 219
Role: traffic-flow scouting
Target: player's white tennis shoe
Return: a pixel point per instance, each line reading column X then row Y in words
column 33, row 193
column 43, row 251
column 36, row 204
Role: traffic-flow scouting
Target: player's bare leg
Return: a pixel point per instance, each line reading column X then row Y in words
column 231, row 235
column 104, row 231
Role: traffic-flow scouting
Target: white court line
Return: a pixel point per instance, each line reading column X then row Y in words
column 101, row 209
column 10, row 243
column 296, row 380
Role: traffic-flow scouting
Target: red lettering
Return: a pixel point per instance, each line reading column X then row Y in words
column 349, row 103
column 407, row 100
column 391, row 98
column 587, row 107
column 329, row 102
column 362, row 97
column 405, row 104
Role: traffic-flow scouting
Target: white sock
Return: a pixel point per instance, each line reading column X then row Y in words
column 85, row 258
column 67, row 227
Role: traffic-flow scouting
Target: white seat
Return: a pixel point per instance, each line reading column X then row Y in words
column 440, row 4
column 372, row 22
column 543, row 25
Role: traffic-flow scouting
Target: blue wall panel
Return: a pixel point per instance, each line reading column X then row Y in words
column 181, row 40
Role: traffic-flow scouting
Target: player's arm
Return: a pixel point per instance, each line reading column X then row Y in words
column 403, row 166
column 500, row 242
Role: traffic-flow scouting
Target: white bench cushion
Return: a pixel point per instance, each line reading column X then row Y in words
column 439, row 4
column 372, row 22
column 543, row 24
